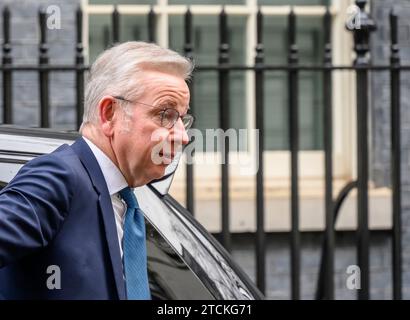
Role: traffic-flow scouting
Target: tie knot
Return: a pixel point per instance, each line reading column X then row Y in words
column 129, row 197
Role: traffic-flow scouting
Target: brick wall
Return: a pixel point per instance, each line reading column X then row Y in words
column 24, row 39
column 380, row 115
column 278, row 263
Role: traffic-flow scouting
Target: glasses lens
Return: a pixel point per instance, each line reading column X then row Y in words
column 188, row 120
column 169, row 117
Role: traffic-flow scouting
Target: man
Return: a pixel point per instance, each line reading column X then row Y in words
column 74, row 210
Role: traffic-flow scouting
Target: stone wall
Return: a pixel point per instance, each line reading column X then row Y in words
column 278, row 263
column 380, row 112
column 25, row 34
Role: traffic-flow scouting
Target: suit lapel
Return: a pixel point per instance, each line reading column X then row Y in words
column 91, row 165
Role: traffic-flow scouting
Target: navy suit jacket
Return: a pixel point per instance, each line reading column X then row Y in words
column 57, row 212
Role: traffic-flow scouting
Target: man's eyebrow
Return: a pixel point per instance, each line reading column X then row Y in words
column 168, row 101
column 172, row 103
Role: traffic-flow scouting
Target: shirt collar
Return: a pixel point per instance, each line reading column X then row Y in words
column 112, row 175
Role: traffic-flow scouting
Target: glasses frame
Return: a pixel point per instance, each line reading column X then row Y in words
column 188, row 116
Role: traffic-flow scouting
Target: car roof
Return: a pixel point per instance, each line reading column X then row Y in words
column 39, row 132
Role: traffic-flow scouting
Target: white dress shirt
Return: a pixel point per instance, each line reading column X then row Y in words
column 115, row 182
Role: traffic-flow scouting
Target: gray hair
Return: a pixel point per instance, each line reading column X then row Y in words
column 117, row 72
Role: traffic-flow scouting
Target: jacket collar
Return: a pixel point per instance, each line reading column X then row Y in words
column 90, row 163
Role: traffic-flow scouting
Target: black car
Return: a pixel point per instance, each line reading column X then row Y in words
column 184, row 260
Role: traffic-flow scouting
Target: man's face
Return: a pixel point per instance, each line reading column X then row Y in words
column 142, row 147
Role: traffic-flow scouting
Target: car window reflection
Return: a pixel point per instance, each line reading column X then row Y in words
column 169, row 276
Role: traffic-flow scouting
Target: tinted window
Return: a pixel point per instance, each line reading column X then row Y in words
column 169, row 276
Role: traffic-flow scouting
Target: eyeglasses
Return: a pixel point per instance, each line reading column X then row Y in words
column 169, row 116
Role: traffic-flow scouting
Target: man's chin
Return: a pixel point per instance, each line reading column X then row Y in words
column 154, row 175
column 159, row 172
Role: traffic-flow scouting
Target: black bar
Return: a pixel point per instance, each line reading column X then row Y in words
column 259, row 115
column 299, row 67
column 208, row 68
column 151, row 25
column 79, row 60
column 188, row 47
column 336, row 209
column 188, row 51
column 361, row 47
column 106, row 36
column 7, row 61
column 395, row 158
column 362, row 179
column 115, row 26
column 294, row 149
column 43, row 60
column 56, row 67
column 327, row 142
column 224, row 122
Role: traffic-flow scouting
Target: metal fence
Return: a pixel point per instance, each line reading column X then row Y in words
column 361, row 66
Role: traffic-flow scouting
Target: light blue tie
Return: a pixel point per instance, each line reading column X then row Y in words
column 135, row 253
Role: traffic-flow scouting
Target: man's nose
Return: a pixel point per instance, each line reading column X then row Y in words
column 180, row 133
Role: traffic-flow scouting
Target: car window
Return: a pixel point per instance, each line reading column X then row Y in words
column 208, row 264
column 169, row 276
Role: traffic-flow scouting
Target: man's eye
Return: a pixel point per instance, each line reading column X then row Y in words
column 160, row 114
column 169, row 115
column 160, row 110
column 165, row 106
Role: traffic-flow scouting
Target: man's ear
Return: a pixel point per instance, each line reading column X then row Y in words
column 107, row 108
